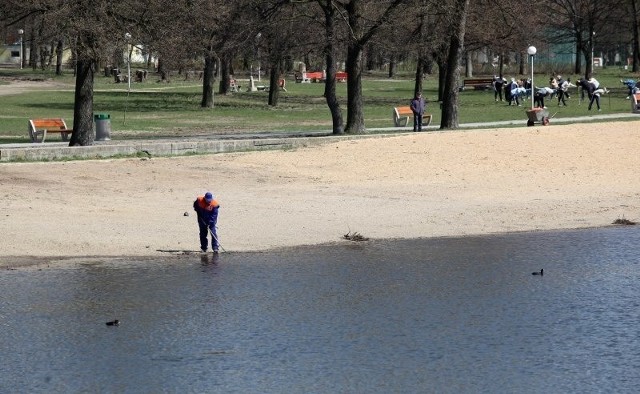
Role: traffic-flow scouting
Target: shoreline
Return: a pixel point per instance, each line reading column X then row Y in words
column 71, row 261
column 422, row 185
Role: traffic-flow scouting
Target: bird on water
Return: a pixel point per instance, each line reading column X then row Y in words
column 538, row 273
column 113, row 323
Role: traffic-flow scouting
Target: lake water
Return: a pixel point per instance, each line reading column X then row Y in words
column 449, row 315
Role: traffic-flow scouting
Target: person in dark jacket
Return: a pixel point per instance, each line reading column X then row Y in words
column 498, row 87
column 418, row 106
column 207, row 209
column 590, row 87
column 562, row 90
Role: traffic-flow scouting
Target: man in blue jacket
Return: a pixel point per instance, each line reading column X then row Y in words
column 418, row 106
column 207, row 209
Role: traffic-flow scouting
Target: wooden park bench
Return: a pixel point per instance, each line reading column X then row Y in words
column 319, row 76
column 308, row 77
column 38, row 129
column 478, row 83
column 401, row 117
column 341, row 76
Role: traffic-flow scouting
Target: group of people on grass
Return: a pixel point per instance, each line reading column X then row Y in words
column 513, row 90
column 517, row 90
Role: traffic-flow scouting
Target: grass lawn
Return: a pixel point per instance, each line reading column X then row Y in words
column 153, row 109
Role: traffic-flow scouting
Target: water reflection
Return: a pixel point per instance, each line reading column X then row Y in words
column 444, row 315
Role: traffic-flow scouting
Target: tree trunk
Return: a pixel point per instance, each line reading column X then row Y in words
column 149, row 57
column 427, row 65
column 59, row 49
column 331, row 68
column 162, row 69
column 636, row 38
column 274, row 77
column 355, row 113
column 52, row 53
column 83, row 133
column 578, row 66
column 33, row 53
column 225, row 75
column 442, row 77
column 456, row 43
column 419, row 74
column 588, row 55
column 469, row 65
column 392, row 66
column 359, row 37
column 208, row 80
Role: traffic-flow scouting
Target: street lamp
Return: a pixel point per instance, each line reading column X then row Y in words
column 532, row 51
column 127, row 37
column 593, row 63
column 20, row 33
column 258, row 52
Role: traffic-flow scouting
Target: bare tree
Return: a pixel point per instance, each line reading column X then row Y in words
column 579, row 21
column 634, row 8
column 331, row 38
column 364, row 23
column 456, row 42
column 514, row 26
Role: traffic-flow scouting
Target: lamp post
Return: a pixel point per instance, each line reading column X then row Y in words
column 532, row 52
column 127, row 37
column 593, row 37
column 20, row 33
column 258, row 52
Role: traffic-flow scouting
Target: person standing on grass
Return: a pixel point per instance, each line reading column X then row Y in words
column 591, row 89
column 418, row 106
column 498, row 86
column 514, row 93
column 561, row 91
column 207, row 209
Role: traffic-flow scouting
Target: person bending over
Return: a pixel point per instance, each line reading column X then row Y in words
column 207, row 209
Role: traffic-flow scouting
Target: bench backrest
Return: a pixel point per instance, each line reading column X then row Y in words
column 478, row 81
column 39, row 124
column 316, row 75
column 403, row 111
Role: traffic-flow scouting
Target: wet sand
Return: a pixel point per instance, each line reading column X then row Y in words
column 428, row 184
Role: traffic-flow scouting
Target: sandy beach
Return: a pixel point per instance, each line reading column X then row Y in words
column 406, row 186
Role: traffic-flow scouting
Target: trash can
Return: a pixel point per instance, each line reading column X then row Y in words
column 103, row 126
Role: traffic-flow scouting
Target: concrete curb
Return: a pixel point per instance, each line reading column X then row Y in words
column 232, row 143
column 61, row 151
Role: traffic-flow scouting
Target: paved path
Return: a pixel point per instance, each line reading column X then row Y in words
column 218, row 143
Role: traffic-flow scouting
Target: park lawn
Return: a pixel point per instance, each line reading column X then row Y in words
column 153, row 109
